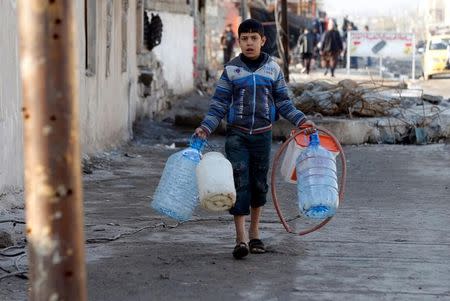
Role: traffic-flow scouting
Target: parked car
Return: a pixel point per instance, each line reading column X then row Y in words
column 436, row 56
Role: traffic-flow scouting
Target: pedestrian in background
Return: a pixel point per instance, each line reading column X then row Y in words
column 330, row 48
column 307, row 43
column 345, row 25
column 227, row 40
column 251, row 92
column 368, row 59
column 316, row 55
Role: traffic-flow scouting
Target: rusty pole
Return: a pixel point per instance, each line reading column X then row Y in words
column 313, row 8
column 285, row 39
column 54, row 208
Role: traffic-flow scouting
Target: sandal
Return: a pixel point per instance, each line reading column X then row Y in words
column 256, row 246
column 240, row 250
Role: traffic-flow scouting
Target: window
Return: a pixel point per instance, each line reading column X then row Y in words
column 440, row 44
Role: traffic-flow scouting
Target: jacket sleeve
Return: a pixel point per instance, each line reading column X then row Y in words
column 322, row 41
column 220, row 104
column 300, row 40
column 284, row 104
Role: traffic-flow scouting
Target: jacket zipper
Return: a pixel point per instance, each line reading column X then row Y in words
column 254, row 103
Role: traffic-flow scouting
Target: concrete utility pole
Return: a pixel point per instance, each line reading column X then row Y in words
column 243, row 9
column 285, row 39
column 54, row 208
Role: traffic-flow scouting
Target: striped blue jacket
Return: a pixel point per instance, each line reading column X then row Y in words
column 251, row 100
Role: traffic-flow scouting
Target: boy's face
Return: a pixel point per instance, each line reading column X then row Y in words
column 251, row 43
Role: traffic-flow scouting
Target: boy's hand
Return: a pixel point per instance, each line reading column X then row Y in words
column 200, row 133
column 309, row 125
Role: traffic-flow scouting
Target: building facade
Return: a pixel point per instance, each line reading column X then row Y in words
column 114, row 89
column 437, row 15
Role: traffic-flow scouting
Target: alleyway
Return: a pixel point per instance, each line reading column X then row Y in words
column 389, row 240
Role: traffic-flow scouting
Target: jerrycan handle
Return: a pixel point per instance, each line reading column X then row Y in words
column 197, row 143
column 314, row 139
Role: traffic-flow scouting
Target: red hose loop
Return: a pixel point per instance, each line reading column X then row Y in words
column 275, row 164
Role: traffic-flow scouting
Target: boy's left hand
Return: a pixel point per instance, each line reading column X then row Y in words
column 309, row 125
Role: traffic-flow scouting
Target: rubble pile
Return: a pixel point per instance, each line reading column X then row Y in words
column 356, row 112
column 347, row 97
column 389, row 111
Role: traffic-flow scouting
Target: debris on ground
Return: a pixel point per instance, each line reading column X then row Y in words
column 347, row 97
column 408, row 112
column 433, row 99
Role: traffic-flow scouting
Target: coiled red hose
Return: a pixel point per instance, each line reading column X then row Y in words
column 275, row 164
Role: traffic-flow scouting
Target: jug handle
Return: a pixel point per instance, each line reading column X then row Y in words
column 308, row 130
column 208, row 145
column 196, row 137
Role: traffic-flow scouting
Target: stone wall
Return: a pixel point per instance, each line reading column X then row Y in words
column 154, row 94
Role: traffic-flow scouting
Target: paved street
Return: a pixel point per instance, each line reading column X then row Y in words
column 122, row 85
column 389, row 240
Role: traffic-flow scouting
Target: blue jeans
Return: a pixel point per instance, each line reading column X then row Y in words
column 250, row 157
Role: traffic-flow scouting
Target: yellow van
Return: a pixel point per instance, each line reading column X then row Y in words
column 436, row 56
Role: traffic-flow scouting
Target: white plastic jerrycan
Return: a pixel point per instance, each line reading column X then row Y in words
column 215, row 182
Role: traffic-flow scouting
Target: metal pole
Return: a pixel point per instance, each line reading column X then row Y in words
column 381, row 66
column 349, row 39
column 285, row 27
column 54, row 207
column 414, row 58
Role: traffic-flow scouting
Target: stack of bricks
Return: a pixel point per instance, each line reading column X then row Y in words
column 154, row 94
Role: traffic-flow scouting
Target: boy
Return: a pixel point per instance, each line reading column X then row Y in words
column 251, row 91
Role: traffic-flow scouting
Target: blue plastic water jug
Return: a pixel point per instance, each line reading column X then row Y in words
column 177, row 195
column 317, row 187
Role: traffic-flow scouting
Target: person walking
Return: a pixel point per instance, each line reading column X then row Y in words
column 251, row 92
column 353, row 59
column 368, row 59
column 331, row 48
column 307, row 42
column 227, row 40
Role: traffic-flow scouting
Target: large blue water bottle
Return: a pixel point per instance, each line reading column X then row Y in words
column 317, row 187
column 177, row 195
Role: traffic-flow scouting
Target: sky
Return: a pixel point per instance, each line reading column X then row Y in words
column 336, row 8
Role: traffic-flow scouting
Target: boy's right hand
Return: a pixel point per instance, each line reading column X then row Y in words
column 199, row 132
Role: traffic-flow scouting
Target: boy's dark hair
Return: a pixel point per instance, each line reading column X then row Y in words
column 251, row 25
